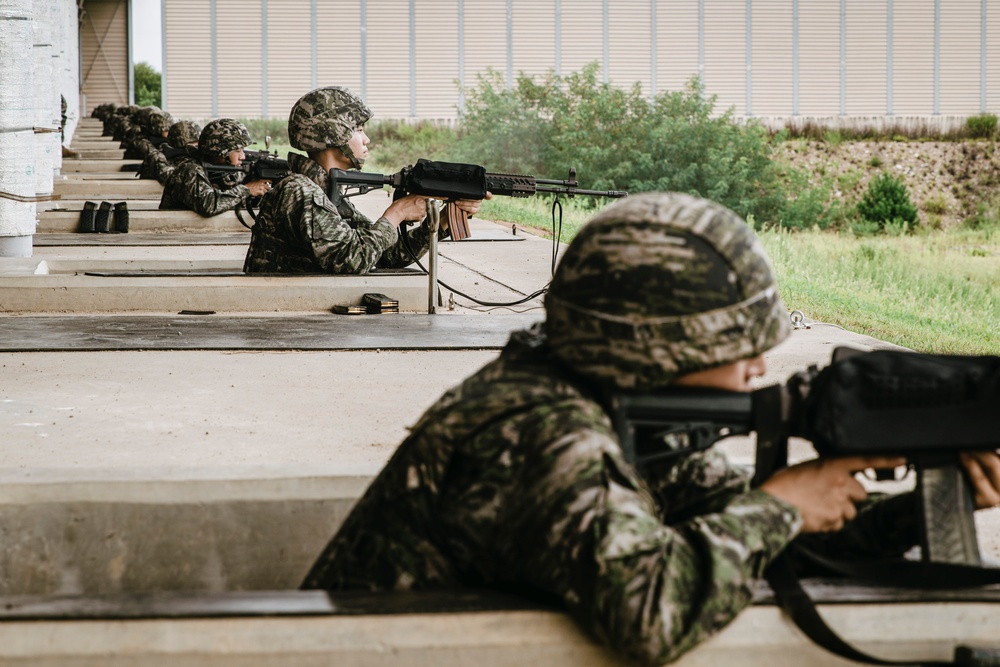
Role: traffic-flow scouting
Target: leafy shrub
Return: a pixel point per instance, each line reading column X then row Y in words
column 261, row 128
column 886, row 202
column 147, row 85
column 982, row 126
column 396, row 143
column 620, row 139
column 936, row 204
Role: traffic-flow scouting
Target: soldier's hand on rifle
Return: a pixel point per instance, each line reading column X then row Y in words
column 410, row 207
column 258, row 187
column 984, row 473
column 825, row 490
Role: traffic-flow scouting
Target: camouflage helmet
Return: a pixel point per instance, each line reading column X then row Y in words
column 182, row 133
column 223, row 136
column 659, row 285
column 157, row 123
column 325, row 118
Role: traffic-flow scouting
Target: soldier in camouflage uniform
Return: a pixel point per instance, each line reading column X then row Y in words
column 515, row 479
column 182, row 140
column 298, row 228
column 190, row 186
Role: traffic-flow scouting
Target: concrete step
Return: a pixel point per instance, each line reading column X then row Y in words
column 95, row 165
column 101, row 176
column 302, row 629
column 95, row 143
column 64, row 286
column 63, row 221
column 110, row 190
column 98, row 153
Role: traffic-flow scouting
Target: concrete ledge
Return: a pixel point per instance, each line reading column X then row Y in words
column 761, row 635
column 99, row 189
column 91, row 153
column 64, row 221
column 95, row 165
column 65, row 293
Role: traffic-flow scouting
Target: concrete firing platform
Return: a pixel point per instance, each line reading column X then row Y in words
column 142, row 220
column 95, row 165
column 455, row 630
column 153, row 239
column 113, row 190
column 399, row 331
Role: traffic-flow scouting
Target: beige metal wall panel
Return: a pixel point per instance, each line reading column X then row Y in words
column 188, row 64
column 993, row 57
column 338, row 44
column 104, row 58
column 771, row 67
column 388, row 58
column 238, row 25
column 534, row 36
column 437, row 59
column 725, row 54
column 289, row 54
column 485, row 39
column 676, row 45
column 629, row 46
column 819, row 58
column 866, row 58
column 582, row 35
column 960, row 51
column 912, row 58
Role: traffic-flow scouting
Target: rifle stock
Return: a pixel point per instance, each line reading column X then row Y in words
column 925, row 407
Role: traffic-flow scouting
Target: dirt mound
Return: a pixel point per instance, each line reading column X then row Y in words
column 947, row 180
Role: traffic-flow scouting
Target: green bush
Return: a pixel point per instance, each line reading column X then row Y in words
column 396, row 143
column 147, row 85
column 887, row 202
column 982, row 126
column 261, row 128
column 620, row 139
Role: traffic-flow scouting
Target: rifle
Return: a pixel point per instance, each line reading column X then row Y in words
column 453, row 180
column 925, row 407
column 256, row 165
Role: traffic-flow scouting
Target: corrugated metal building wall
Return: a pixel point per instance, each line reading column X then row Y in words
column 768, row 58
column 104, row 58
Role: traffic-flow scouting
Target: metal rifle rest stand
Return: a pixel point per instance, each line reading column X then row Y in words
column 434, row 218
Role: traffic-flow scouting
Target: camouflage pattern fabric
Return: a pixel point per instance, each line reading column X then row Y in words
column 158, row 124
column 299, row 230
column 326, row 117
column 223, row 136
column 615, row 315
column 156, row 166
column 189, row 188
column 515, row 480
column 182, row 133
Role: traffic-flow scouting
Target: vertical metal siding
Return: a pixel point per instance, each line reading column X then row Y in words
column 865, row 88
column 104, row 53
column 993, row 57
column 582, row 35
column 677, row 52
column 725, row 53
column 819, row 58
column 772, row 57
column 484, row 39
column 437, row 58
column 239, row 25
column 289, row 54
column 534, row 37
column 388, row 58
column 913, row 58
column 188, row 42
column 338, row 45
column 960, row 57
column 628, row 44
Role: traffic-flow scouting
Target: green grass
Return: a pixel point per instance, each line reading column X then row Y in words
column 936, row 292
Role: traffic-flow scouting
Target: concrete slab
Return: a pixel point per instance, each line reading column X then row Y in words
column 103, row 165
column 153, row 239
column 144, row 220
column 108, row 190
column 92, row 153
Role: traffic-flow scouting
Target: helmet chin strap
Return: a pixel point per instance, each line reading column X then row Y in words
column 349, row 154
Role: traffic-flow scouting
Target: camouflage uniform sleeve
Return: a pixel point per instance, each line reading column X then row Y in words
column 593, row 535
column 156, row 166
column 337, row 246
column 193, row 191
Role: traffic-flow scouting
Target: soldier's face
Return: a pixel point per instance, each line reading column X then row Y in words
column 736, row 376
column 359, row 144
column 236, row 157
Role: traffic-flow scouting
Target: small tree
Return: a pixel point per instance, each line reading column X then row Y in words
column 887, row 201
column 147, row 85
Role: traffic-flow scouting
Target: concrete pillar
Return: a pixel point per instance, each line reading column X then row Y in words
column 46, row 131
column 17, row 137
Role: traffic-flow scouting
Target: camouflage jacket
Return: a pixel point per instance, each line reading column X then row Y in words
column 299, row 230
column 156, row 166
column 189, row 188
column 515, row 481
